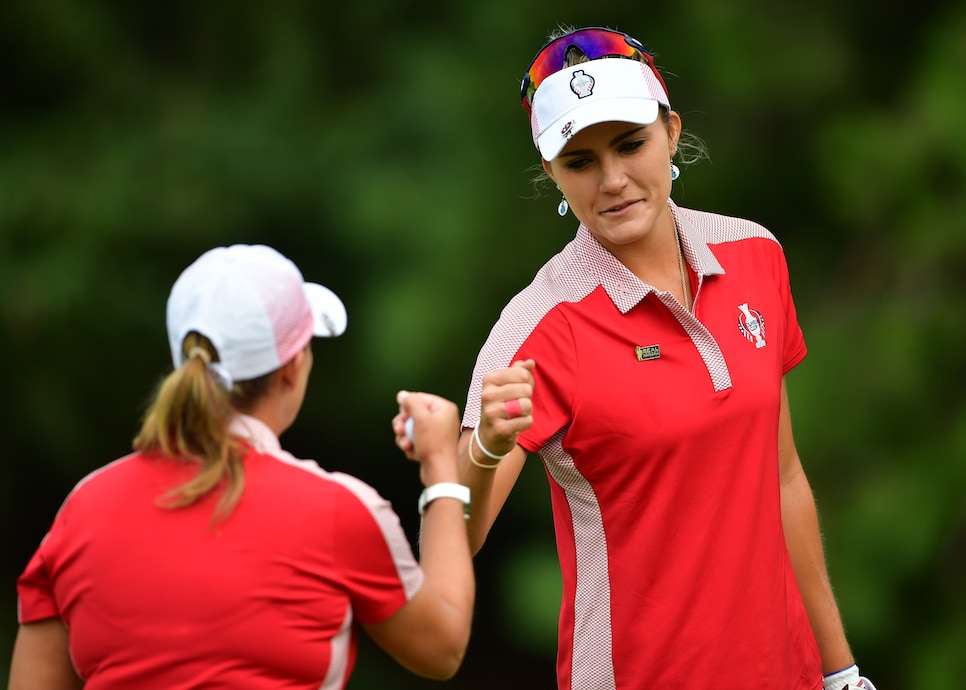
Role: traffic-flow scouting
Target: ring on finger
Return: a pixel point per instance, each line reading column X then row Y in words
column 513, row 409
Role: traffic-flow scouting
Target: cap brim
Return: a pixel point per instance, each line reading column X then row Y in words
column 635, row 110
column 328, row 312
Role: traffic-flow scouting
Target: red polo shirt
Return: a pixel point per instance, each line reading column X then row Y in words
column 161, row 598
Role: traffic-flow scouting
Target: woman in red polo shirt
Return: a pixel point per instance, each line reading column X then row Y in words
column 645, row 364
column 211, row 557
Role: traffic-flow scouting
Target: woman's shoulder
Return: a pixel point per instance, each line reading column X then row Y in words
column 716, row 228
column 317, row 498
column 309, row 476
column 99, row 487
column 106, row 477
column 567, row 276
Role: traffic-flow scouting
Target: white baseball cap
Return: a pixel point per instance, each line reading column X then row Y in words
column 253, row 305
column 603, row 90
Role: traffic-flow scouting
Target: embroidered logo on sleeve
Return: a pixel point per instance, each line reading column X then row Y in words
column 751, row 324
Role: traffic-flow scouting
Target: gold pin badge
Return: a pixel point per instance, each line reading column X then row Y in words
column 646, row 352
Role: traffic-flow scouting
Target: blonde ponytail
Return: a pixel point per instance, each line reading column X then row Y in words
column 189, row 420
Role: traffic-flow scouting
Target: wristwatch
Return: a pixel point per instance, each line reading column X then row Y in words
column 445, row 490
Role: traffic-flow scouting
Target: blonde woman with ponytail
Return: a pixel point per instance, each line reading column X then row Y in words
column 210, row 557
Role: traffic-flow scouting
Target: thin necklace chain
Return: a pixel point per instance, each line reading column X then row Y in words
column 684, row 276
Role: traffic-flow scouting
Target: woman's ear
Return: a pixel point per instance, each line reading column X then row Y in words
column 288, row 374
column 673, row 129
column 547, row 169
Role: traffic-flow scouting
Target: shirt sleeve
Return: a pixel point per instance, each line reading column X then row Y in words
column 376, row 562
column 551, row 346
column 794, row 349
column 35, row 590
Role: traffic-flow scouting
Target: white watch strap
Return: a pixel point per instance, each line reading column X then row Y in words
column 445, row 490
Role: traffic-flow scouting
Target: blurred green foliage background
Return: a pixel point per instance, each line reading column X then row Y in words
column 383, row 147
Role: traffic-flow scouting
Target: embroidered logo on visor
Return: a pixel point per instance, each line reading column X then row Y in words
column 582, row 84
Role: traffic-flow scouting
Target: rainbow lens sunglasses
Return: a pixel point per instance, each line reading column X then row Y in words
column 595, row 42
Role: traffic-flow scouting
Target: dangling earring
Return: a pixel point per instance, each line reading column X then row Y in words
column 675, row 172
column 562, row 207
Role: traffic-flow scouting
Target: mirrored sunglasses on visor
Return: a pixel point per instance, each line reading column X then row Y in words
column 594, row 42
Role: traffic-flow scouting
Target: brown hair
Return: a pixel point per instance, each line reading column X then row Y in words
column 189, row 419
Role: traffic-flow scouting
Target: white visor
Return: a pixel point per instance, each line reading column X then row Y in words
column 602, row 90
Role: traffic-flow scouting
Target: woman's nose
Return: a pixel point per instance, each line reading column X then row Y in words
column 613, row 174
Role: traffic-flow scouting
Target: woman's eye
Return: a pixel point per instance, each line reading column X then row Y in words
column 631, row 146
column 577, row 163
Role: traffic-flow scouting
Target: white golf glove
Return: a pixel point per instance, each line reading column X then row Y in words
column 846, row 679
